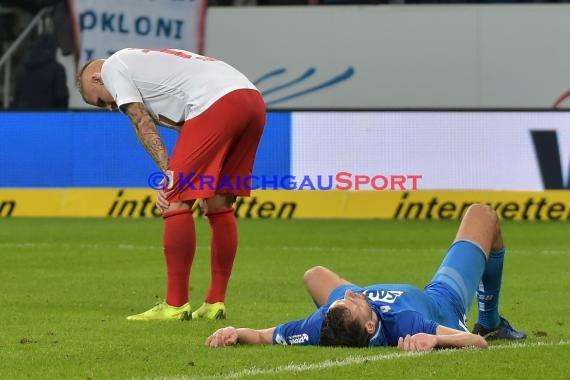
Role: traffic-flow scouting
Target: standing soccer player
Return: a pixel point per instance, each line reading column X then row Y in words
column 220, row 116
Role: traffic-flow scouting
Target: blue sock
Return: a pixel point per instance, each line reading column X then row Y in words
column 489, row 289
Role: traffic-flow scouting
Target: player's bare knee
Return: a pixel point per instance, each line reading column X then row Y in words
column 219, row 201
column 482, row 211
column 479, row 225
column 497, row 224
column 493, row 217
column 477, row 208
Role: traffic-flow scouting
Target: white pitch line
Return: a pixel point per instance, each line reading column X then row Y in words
column 135, row 247
column 33, row 245
column 349, row 360
column 38, row 245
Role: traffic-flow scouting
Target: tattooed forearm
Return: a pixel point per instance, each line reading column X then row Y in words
column 147, row 133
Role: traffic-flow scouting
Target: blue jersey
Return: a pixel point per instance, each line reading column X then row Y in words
column 401, row 310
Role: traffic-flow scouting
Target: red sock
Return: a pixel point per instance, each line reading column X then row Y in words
column 223, row 247
column 179, row 249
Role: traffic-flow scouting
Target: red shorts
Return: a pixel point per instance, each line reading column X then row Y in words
column 215, row 151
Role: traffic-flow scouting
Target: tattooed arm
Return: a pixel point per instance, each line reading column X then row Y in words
column 147, row 133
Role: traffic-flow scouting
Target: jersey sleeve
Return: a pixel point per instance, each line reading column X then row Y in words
column 118, row 82
column 411, row 322
column 303, row 332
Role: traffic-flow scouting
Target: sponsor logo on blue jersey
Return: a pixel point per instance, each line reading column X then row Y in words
column 386, row 296
column 298, row 339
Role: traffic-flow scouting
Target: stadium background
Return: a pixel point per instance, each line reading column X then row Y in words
column 473, row 97
column 409, row 98
column 463, row 157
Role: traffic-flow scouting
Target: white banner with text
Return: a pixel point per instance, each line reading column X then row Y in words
column 103, row 27
column 432, row 150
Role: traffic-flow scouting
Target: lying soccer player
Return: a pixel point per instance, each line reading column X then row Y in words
column 403, row 315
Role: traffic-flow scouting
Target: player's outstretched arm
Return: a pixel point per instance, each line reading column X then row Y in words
column 147, row 133
column 229, row 336
column 444, row 338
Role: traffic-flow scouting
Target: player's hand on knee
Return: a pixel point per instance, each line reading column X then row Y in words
column 161, row 200
column 223, row 337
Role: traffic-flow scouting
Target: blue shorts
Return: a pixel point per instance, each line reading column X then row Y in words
column 454, row 284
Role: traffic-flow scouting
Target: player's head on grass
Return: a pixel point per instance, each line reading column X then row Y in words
column 349, row 322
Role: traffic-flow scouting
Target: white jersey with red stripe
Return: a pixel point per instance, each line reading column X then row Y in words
column 175, row 85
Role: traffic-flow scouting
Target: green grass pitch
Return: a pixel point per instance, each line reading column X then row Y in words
column 67, row 286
